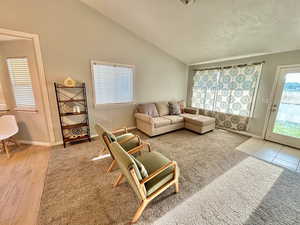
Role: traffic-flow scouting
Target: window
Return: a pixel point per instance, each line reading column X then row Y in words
column 112, row 83
column 20, row 78
column 229, row 90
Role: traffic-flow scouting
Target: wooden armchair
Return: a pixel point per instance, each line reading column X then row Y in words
column 148, row 174
column 130, row 142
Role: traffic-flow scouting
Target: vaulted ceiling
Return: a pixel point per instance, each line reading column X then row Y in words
column 209, row 29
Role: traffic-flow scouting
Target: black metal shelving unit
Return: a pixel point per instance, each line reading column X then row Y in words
column 66, row 98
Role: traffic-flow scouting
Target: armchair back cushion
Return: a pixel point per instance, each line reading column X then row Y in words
column 149, row 109
column 101, row 132
column 126, row 163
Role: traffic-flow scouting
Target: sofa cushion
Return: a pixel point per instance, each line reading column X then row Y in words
column 174, row 108
column 198, row 119
column 160, row 122
column 162, row 108
column 149, row 109
column 153, row 161
column 174, row 118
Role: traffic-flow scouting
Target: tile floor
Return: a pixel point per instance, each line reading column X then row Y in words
column 271, row 152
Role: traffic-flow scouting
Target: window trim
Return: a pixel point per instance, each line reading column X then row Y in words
column 22, row 107
column 96, row 62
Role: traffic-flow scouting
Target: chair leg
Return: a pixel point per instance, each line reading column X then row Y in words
column 139, row 211
column 4, row 143
column 177, row 186
column 14, row 140
column 111, row 166
column 118, row 181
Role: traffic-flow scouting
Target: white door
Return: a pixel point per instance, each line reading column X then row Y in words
column 284, row 121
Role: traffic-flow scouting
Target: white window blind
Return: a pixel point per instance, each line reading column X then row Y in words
column 112, row 83
column 21, row 82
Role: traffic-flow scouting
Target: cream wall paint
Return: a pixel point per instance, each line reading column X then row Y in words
column 72, row 34
column 32, row 125
column 256, row 125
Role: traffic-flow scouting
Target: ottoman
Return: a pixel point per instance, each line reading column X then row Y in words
column 198, row 123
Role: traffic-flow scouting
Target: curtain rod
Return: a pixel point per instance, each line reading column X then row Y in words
column 227, row 67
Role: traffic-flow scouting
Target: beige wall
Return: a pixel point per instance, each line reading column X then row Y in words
column 72, row 34
column 32, row 125
column 256, row 124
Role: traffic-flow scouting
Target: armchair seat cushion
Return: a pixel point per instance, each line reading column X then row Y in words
column 160, row 122
column 152, row 161
column 129, row 144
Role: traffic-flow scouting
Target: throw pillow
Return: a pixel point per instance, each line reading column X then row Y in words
column 149, row 109
column 140, row 167
column 181, row 105
column 162, row 108
column 174, row 108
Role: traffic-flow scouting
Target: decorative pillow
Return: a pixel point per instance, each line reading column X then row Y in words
column 174, row 108
column 111, row 137
column 181, row 105
column 140, row 167
column 162, row 108
column 149, row 109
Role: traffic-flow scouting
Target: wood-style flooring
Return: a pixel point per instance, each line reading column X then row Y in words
column 21, row 184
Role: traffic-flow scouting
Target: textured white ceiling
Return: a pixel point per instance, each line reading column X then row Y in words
column 209, row 29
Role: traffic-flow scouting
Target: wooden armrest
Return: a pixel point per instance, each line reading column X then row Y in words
column 160, row 170
column 121, row 130
column 137, row 149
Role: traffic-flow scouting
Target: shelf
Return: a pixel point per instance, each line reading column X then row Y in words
column 77, row 139
column 61, row 86
column 72, row 100
column 73, row 114
column 75, row 126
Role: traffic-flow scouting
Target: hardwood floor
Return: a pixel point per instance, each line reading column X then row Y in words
column 21, row 184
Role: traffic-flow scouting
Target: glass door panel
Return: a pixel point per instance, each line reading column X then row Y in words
column 288, row 117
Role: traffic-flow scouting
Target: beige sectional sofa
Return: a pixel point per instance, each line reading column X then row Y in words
column 154, row 119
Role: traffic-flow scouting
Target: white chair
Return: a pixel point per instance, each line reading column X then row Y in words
column 8, row 128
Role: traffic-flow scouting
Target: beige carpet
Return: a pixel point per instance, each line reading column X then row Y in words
column 218, row 185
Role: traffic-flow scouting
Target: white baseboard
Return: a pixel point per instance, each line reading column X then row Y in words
column 243, row 133
column 40, row 143
column 61, row 142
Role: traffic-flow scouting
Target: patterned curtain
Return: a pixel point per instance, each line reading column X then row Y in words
column 231, row 98
column 205, row 89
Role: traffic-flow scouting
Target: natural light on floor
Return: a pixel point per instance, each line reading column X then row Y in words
column 229, row 199
column 101, row 157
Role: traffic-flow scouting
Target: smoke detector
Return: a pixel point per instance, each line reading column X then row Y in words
column 187, row 2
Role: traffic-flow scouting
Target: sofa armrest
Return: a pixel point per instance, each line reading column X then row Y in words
column 190, row 110
column 142, row 116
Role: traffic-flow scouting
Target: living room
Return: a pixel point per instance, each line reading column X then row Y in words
column 149, row 112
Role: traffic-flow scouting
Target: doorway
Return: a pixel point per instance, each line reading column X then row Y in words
column 284, row 121
column 24, row 91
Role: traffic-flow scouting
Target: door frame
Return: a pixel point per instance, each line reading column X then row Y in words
column 42, row 77
column 272, row 97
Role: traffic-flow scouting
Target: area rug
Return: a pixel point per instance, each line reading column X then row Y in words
column 218, row 185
